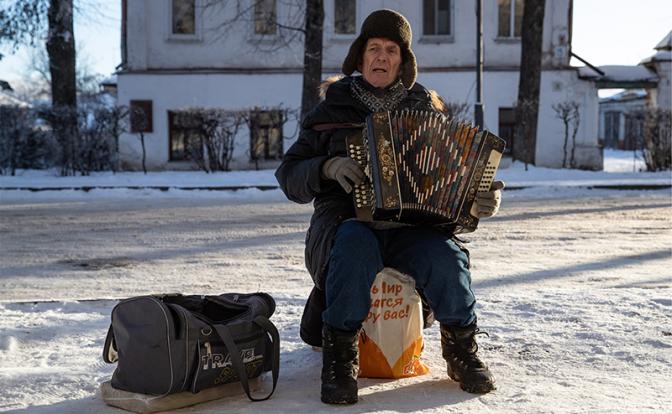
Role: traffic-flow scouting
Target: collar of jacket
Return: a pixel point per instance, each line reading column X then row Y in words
column 340, row 106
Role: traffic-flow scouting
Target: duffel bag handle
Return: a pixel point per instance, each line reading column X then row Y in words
column 237, row 361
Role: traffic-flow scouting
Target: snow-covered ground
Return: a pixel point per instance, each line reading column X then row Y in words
column 574, row 287
column 620, row 167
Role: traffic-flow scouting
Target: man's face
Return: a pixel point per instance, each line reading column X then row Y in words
column 380, row 62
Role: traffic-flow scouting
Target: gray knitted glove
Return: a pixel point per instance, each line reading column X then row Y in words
column 488, row 201
column 345, row 170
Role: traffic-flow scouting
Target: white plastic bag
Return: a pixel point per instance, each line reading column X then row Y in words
column 390, row 342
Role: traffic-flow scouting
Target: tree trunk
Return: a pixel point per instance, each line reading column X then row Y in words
column 144, row 152
column 527, row 109
column 312, row 55
column 61, row 50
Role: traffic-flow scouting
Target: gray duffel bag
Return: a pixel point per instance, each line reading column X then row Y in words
column 165, row 344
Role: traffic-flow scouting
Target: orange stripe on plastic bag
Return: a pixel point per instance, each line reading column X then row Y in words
column 373, row 364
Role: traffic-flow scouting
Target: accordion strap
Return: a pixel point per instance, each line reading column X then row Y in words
column 342, row 125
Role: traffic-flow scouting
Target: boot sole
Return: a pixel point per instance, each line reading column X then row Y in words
column 339, row 401
column 482, row 388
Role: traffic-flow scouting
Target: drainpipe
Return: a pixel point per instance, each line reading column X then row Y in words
column 478, row 107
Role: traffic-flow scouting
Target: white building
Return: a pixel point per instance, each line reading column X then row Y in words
column 620, row 119
column 649, row 86
column 179, row 54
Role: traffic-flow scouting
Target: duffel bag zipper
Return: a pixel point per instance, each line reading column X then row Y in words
column 226, row 302
column 170, row 355
column 186, row 347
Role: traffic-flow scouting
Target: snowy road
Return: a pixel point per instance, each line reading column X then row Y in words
column 574, row 286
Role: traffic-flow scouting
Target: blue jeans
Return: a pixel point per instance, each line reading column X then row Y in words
column 437, row 264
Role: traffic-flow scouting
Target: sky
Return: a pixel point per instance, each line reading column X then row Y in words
column 605, row 32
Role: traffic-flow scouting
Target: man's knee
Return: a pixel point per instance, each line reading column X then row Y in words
column 355, row 239
column 442, row 259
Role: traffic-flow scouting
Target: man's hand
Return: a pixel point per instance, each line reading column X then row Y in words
column 345, row 170
column 488, row 202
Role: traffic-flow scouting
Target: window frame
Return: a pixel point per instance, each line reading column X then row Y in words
column 254, row 33
column 612, row 127
column 147, row 107
column 510, row 140
column 171, row 158
column 333, row 22
column 512, row 23
column 197, row 36
column 279, row 124
column 437, row 38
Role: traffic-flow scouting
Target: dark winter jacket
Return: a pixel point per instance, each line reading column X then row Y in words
column 300, row 178
column 299, row 174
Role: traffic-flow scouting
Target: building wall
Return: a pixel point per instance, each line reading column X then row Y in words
column 172, row 92
column 234, row 69
column 236, row 47
column 235, row 92
column 664, row 72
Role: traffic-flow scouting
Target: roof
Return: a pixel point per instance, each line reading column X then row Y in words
column 620, row 76
column 627, row 95
column 109, row 81
column 4, row 86
column 7, row 98
column 660, row 56
column 666, row 43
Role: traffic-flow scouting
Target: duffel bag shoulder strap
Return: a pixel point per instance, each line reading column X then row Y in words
column 237, row 361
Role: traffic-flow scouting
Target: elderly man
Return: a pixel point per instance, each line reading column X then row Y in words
column 344, row 255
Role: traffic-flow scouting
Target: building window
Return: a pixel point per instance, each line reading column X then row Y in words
column 612, row 124
column 436, row 19
column 634, row 132
column 183, row 136
column 510, row 20
column 345, row 16
column 507, row 125
column 141, row 116
column 266, row 135
column 184, row 17
column 265, row 17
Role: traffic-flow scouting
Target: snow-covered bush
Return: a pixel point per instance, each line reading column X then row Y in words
column 23, row 142
column 211, row 137
column 657, row 135
column 91, row 146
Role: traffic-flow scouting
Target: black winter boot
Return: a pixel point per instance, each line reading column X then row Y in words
column 460, row 352
column 340, row 366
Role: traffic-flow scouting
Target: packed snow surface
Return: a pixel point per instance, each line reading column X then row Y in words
column 574, row 286
column 619, row 167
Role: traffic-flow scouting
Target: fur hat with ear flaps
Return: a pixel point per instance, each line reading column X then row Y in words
column 391, row 25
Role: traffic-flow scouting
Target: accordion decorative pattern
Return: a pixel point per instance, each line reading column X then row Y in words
column 423, row 168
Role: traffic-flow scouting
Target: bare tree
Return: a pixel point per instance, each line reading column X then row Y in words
column 312, row 55
column 36, row 80
column 657, row 148
column 214, row 132
column 15, row 128
column 140, row 124
column 114, row 122
column 568, row 113
column 302, row 18
column 527, row 108
column 22, row 21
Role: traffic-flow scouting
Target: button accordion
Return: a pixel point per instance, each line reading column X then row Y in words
column 422, row 168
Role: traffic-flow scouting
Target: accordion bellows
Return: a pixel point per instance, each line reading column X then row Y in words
column 422, row 168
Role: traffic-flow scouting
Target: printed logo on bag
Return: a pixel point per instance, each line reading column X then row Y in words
column 229, row 374
column 220, row 361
